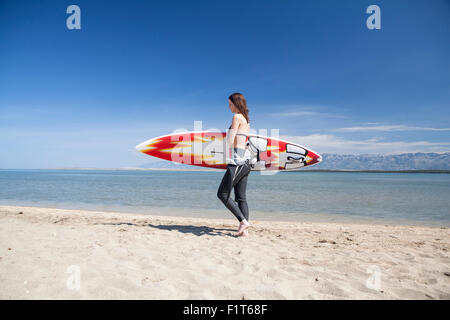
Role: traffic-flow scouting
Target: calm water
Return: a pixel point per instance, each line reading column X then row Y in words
column 415, row 198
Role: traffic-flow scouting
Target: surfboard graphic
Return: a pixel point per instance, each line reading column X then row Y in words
column 208, row 149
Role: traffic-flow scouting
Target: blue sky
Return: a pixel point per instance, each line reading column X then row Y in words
column 140, row 69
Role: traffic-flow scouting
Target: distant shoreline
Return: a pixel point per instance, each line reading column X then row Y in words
column 219, row 170
column 373, row 171
column 120, row 169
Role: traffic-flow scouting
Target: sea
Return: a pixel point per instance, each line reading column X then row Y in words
column 355, row 197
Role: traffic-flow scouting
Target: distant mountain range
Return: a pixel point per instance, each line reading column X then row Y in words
column 405, row 161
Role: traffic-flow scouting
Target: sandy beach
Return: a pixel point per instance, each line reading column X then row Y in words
column 74, row 254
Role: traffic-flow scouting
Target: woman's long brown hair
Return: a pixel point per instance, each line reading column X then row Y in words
column 239, row 102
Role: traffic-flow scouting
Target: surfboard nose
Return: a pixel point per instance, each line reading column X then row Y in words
column 140, row 146
column 315, row 157
column 144, row 145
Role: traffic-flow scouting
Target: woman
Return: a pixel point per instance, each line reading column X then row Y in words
column 238, row 167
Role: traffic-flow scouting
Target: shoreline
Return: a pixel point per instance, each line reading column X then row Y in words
column 224, row 215
column 200, row 169
column 136, row 256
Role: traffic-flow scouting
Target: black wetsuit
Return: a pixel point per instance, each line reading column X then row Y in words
column 235, row 177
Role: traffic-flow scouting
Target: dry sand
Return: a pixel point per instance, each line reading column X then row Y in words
column 44, row 252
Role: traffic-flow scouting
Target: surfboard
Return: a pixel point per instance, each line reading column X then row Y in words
column 208, row 149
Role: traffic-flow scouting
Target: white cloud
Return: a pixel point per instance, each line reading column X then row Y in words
column 302, row 111
column 325, row 143
column 389, row 128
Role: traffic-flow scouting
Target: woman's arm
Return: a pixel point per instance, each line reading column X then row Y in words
column 232, row 131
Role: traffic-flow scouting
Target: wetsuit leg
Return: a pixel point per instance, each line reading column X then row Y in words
column 240, row 194
column 231, row 177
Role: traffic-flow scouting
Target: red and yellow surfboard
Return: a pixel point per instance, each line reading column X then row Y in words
column 208, row 149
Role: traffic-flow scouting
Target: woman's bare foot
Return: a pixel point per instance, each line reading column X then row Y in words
column 242, row 227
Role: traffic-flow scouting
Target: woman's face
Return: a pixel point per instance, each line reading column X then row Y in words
column 231, row 105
